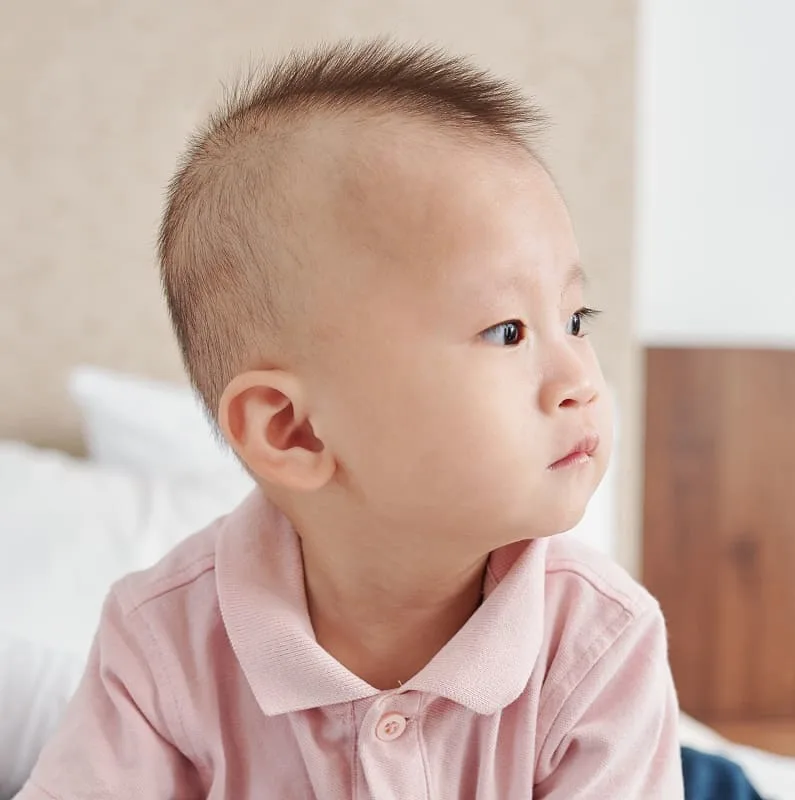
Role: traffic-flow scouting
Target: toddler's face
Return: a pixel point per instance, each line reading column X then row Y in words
column 450, row 374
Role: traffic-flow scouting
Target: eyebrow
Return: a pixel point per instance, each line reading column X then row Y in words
column 575, row 277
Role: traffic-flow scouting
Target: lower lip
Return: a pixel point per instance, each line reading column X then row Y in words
column 571, row 460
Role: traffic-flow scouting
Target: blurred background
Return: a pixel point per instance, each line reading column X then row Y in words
column 672, row 141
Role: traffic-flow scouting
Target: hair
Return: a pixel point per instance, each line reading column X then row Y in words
column 221, row 247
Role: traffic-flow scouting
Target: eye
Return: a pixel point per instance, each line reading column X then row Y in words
column 505, row 334
column 574, row 327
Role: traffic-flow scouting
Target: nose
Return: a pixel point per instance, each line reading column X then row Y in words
column 567, row 381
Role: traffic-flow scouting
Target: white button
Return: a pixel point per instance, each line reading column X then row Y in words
column 390, row 727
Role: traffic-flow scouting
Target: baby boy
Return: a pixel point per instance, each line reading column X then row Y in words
column 378, row 296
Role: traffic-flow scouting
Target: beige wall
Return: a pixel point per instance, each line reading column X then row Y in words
column 98, row 96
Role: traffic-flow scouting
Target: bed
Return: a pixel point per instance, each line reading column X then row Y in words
column 137, row 493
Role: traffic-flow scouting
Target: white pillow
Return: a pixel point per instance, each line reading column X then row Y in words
column 68, row 529
column 148, row 426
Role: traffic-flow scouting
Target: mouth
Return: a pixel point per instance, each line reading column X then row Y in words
column 581, row 453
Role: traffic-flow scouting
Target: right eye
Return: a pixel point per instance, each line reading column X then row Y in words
column 505, row 334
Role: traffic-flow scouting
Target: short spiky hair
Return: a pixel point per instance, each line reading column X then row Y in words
column 219, row 245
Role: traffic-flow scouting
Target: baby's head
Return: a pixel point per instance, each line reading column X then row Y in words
column 377, row 293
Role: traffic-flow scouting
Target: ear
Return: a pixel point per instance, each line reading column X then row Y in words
column 264, row 418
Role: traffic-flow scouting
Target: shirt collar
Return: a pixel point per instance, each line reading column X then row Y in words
column 260, row 581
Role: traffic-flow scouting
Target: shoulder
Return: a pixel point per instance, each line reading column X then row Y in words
column 607, row 704
column 172, row 608
column 577, row 575
column 185, row 570
column 596, row 615
column 163, row 631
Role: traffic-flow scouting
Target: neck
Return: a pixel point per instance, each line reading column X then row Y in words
column 384, row 612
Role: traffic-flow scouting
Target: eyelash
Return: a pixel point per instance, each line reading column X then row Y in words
column 583, row 314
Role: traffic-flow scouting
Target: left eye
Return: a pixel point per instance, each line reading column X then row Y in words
column 505, row 334
column 574, row 327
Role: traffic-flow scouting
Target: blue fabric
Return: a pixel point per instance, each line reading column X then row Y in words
column 710, row 777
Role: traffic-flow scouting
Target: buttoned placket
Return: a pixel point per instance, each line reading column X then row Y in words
column 390, row 747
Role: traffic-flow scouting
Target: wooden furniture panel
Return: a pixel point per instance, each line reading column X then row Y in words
column 719, row 529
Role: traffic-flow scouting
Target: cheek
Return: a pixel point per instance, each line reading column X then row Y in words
column 423, row 427
column 457, row 434
column 370, row 409
column 465, row 433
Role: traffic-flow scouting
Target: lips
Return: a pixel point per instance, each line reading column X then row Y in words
column 580, row 453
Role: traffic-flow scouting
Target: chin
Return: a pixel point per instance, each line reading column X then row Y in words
column 569, row 522
column 559, row 509
column 572, row 504
column 559, row 520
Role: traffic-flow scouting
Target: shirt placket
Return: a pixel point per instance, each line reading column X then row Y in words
column 393, row 765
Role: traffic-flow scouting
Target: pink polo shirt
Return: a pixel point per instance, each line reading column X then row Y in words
column 205, row 681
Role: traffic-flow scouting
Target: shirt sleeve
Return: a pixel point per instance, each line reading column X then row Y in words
column 615, row 734
column 120, row 732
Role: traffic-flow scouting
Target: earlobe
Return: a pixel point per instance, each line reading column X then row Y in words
column 263, row 416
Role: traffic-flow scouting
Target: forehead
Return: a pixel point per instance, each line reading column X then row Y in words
column 443, row 212
column 406, row 225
